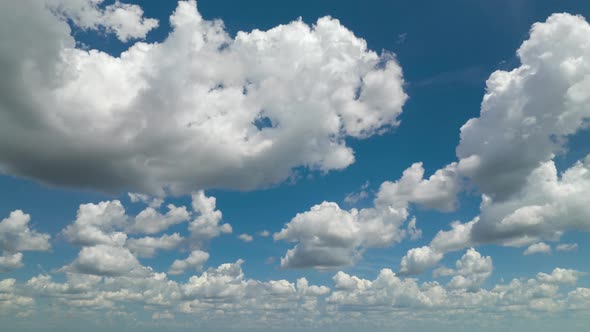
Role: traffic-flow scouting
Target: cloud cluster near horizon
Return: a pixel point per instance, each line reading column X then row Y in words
column 107, row 276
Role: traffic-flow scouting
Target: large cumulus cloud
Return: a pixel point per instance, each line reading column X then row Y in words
column 509, row 152
column 199, row 109
column 528, row 113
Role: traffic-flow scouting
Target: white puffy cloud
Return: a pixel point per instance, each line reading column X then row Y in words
column 387, row 290
column 472, row 262
column 578, row 299
column 105, row 260
column 208, row 223
column 303, row 287
column 388, row 293
column 107, row 223
column 225, row 281
column 414, row 232
column 125, row 20
column 355, row 197
column 100, row 230
column 458, row 237
column 565, row 247
column 12, row 304
column 7, row 285
column 9, row 262
column 345, row 281
column 328, row 236
column 150, row 221
column 471, row 271
column 246, row 110
column 538, row 248
column 100, row 292
column 548, row 205
column 153, row 202
column 107, row 251
column 195, row 260
column 16, row 235
column 528, row 113
column 250, row 301
column 76, row 284
column 560, row 276
column 147, row 246
column 245, row 237
column 437, row 192
column 417, row 260
column 527, row 116
column 97, row 224
column 105, row 226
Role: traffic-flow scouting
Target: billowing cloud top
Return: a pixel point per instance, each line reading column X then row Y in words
column 199, row 110
column 528, row 113
column 509, row 152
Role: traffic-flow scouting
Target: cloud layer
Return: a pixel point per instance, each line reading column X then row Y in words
column 223, row 296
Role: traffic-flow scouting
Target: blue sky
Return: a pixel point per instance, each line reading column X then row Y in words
column 113, row 110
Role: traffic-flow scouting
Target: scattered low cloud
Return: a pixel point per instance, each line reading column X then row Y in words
column 105, row 260
column 245, row 237
column 538, row 248
column 147, row 246
column 16, row 236
column 194, row 261
column 567, row 247
column 417, row 260
column 355, row 197
column 328, row 236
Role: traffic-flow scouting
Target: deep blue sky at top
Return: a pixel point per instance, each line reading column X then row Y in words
column 447, row 50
